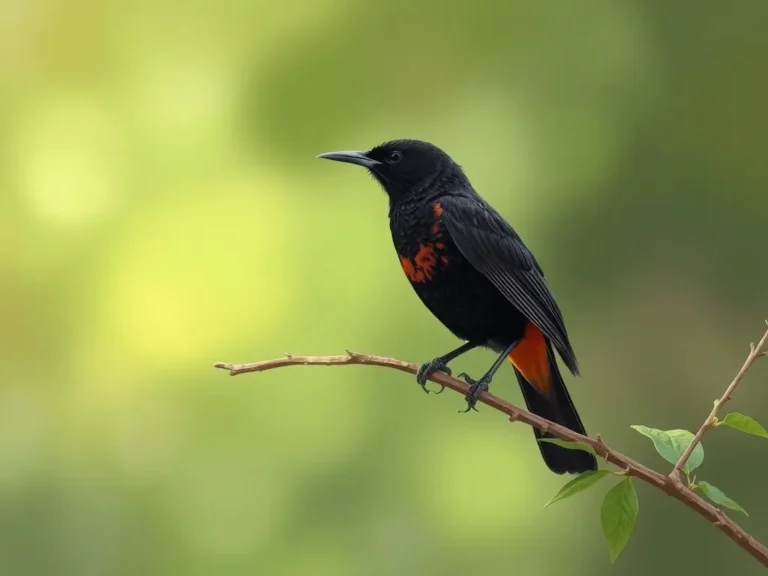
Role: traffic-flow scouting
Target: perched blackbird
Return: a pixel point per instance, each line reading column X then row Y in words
column 473, row 272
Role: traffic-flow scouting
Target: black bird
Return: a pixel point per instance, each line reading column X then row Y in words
column 474, row 273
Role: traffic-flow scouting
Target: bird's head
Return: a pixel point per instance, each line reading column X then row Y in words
column 404, row 168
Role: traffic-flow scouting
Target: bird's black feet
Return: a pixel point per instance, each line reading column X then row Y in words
column 428, row 368
column 476, row 387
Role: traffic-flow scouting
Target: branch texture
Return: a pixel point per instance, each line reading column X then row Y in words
column 666, row 483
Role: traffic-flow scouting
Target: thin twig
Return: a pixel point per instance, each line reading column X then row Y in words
column 665, row 483
column 755, row 352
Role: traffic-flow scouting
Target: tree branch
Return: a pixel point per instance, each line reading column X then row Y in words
column 669, row 484
column 755, row 352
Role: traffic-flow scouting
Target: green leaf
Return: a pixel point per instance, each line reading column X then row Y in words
column 569, row 445
column 744, row 424
column 670, row 444
column 681, row 439
column 581, row 482
column 618, row 514
column 718, row 497
column 661, row 441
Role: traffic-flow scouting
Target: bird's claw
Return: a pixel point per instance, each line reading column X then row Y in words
column 476, row 387
column 428, row 368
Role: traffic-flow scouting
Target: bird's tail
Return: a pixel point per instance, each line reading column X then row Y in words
column 545, row 395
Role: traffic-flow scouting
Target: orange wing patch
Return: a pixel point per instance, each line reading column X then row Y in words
column 530, row 358
column 437, row 210
column 422, row 268
column 409, row 269
column 426, row 259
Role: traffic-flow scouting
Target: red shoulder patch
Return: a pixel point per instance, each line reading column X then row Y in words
column 422, row 267
column 424, row 264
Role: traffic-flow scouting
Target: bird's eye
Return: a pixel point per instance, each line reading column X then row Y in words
column 394, row 157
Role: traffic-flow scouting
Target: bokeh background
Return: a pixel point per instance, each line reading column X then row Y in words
column 161, row 209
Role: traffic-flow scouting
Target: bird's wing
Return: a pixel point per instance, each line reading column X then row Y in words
column 494, row 249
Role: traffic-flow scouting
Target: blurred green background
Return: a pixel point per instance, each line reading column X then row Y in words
column 161, row 209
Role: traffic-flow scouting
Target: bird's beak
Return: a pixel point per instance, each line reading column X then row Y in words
column 351, row 157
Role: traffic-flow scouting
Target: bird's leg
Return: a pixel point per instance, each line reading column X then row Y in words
column 440, row 364
column 477, row 387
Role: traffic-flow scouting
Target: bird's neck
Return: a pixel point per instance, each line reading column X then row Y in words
column 410, row 225
column 415, row 221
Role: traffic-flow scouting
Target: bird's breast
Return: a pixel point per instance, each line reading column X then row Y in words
column 422, row 243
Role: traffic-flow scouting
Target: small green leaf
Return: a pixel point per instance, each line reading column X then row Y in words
column 718, row 497
column 744, row 424
column 617, row 516
column 680, row 440
column 661, row 442
column 581, row 482
column 569, row 445
column 670, row 444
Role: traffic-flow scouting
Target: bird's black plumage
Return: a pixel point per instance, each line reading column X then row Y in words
column 474, row 273
column 495, row 249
